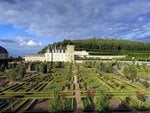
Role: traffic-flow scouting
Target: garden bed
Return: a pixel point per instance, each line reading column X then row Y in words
column 69, row 105
column 38, row 106
column 86, row 104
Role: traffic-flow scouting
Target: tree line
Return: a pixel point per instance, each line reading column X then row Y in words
column 104, row 46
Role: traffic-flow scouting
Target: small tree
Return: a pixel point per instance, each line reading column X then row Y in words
column 11, row 73
column 126, row 71
column 37, row 67
column 133, row 72
column 98, row 68
column 22, row 72
column 49, row 66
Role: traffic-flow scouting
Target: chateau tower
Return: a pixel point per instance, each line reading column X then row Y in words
column 70, row 53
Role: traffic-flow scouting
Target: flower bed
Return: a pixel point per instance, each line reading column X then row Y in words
column 139, row 105
column 40, row 105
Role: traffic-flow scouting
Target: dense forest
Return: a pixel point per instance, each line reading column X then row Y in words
column 98, row 46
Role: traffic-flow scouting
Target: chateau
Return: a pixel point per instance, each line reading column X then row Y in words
column 57, row 54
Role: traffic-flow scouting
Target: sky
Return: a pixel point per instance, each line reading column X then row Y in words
column 26, row 26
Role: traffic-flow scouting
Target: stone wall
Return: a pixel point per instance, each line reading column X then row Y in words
column 106, row 56
column 34, row 58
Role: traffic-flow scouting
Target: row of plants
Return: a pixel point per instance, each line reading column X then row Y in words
column 8, row 86
column 12, row 105
column 30, row 103
column 60, row 103
column 86, row 104
column 69, row 104
column 115, row 83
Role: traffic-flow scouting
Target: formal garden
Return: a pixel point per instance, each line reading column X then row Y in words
column 92, row 86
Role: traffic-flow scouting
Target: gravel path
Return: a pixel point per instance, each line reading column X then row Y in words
column 78, row 106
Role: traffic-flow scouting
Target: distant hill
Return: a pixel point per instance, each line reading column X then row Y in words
column 98, row 46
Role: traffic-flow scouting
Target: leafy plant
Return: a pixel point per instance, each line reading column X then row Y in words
column 57, row 104
column 101, row 102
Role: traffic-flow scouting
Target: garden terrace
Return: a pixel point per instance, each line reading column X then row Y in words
column 88, row 85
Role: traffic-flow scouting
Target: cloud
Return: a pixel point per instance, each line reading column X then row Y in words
column 33, row 43
column 26, row 42
column 7, row 41
column 77, row 18
column 8, row 1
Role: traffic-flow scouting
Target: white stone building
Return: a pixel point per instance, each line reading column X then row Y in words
column 34, row 58
column 55, row 54
column 81, row 54
column 61, row 54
